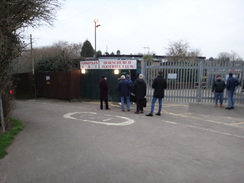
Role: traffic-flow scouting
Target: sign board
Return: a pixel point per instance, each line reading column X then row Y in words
column 172, row 76
column 89, row 64
column 108, row 64
column 117, row 64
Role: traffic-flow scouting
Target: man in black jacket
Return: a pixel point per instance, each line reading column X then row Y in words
column 140, row 90
column 159, row 85
column 218, row 89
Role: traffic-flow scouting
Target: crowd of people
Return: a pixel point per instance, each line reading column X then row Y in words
column 137, row 90
column 218, row 89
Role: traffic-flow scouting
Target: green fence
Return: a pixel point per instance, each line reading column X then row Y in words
column 90, row 82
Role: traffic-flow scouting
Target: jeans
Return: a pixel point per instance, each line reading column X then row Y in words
column 218, row 96
column 127, row 98
column 160, row 102
column 230, row 98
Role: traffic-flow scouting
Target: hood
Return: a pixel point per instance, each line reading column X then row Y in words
column 141, row 81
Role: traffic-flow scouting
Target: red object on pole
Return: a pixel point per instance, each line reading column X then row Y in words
column 10, row 92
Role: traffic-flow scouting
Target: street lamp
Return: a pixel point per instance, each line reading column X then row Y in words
column 95, row 21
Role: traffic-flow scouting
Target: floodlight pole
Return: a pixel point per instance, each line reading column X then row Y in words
column 95, row 21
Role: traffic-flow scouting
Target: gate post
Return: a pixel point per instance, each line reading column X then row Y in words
column 143, row 67
column 200, row 81
column 1, row 114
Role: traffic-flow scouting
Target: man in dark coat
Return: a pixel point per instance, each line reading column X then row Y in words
column 140, row 90
column 231, row 85
column 218, row 89
column 124, row 91
column 103, row 86
column 159, row 85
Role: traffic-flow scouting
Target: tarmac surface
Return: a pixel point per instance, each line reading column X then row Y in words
column 76, row 142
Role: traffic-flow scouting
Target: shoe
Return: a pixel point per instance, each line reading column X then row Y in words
column 108, row 109
column 221, row 106
column 232, row 108
column 215, row 105
column 123, row 110
column 128, row 110
column 142, row 112
column 137, row 112
column 158, row 114
column 149, row 114
column 228, row 108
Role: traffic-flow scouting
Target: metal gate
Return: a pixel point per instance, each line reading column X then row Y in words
column 191, row 81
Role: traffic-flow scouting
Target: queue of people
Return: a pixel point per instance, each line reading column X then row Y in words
column 127, row 88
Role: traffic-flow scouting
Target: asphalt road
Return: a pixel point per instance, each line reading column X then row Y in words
column 75, row 142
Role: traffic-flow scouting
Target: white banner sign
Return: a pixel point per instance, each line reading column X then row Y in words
column 117, row 64
column 108, row 64
column 89, row 64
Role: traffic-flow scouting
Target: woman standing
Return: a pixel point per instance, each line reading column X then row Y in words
column 140, row 90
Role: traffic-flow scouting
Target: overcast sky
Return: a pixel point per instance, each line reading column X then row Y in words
column 212, row 26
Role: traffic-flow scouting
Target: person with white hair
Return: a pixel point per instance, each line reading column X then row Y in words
column 124, row 91
column 140, row 90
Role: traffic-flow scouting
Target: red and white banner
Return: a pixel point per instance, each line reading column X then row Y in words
column 117, row 64
column 89, row 64
column 108, row 64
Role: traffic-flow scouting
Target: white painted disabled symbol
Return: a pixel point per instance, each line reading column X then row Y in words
column 103, row 119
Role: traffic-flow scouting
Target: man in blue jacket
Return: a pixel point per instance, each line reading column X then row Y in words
column 231, row 85
column 124, row 91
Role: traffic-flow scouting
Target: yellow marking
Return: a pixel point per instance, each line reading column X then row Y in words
column 238, row 123
column 197, row 118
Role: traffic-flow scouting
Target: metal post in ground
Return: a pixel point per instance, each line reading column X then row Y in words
column 1, row 114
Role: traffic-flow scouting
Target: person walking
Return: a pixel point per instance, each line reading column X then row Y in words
column 103, row 86
column 218, row 89
column 124, row 91
column 159, row 85
column 231, row 85
column 140, row 90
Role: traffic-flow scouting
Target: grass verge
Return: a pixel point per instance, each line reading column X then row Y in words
column 7, row 138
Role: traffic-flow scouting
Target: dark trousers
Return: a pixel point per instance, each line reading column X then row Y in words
column 139, row 105
column 101, row 103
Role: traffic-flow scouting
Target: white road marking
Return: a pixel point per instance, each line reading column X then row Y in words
column 127, row 121
column 107, row 119
column 204, row 129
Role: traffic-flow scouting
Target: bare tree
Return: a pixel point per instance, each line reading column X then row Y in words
column 180, row 51
column 229, row 57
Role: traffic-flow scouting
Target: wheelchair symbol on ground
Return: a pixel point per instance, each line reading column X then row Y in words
column 102, row 119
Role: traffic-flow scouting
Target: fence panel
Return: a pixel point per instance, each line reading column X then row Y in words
column 191, row 81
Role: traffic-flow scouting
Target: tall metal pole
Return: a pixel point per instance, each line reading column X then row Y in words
column 33, row 67
column 95, row 21
column 31, row 54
